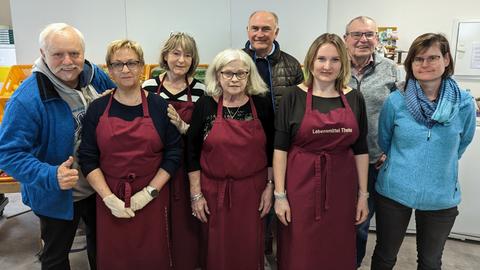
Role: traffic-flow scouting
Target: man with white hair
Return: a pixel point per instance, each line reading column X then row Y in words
column 39, row 137
column 375, row 76
column 277, row 68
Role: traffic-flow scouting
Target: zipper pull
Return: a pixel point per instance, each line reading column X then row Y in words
column 429, row 134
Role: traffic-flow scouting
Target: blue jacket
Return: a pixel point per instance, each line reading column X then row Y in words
column 421, row 170
column 37, row 135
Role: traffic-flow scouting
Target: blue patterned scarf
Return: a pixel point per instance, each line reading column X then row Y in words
column 428, row 112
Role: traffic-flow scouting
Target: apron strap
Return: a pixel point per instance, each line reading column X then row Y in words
column 319, row 179
column 105, row 113
column 345, row 101
column 254, row 110
column 189, row 89
column 146, row 112
column 225, row 190
column 220, row 108
column 308, row 105
column 124, row 189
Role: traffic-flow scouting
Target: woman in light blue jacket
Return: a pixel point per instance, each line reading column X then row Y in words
column 424, row 130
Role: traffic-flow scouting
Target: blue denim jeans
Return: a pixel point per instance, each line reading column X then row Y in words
column 362, row 229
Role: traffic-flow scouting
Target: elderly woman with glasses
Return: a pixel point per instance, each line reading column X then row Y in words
column 179, row 57
column 129, row 151
column 229, row 162
column 424, row 130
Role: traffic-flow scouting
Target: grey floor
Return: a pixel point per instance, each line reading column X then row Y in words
column 19, row 242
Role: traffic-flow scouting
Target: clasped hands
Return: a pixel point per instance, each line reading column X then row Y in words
column 137, row 202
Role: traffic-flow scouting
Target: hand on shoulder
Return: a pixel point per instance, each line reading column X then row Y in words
column 346, row 90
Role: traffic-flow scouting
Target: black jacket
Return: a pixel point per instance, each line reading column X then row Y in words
column 285, row 70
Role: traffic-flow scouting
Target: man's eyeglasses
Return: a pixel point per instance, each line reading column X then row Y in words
column 241, row 75
column 131, row 65
column 358, row 35
column 418, row 61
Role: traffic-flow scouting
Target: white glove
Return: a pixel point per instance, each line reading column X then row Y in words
column 140, row 199
column 117, row 207
column 176, row 120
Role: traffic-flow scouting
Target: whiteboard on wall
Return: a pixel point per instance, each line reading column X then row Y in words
column 467, row 48
column 215, row 24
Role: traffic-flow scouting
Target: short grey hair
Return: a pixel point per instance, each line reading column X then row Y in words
column 255, row 83
column 55, row 28
column 275, row 17
column 363, row 19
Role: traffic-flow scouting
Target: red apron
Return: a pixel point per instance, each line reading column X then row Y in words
column 321, row 183
column 233, row 177
column 130, row 156
column 185, row 228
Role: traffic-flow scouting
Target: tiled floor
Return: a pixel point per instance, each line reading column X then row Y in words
column 19, row 242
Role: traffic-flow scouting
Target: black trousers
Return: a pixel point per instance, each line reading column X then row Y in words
column 58, row 235
column 432, row 230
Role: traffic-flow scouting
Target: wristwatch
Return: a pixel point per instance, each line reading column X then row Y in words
column 152, row 191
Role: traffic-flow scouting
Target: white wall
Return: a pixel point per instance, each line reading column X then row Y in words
column 215, row 24
column 5, row 18
column 99, row 21
column 413, row 18
column 300, row 22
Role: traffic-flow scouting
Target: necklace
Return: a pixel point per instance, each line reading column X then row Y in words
column 126, row 101
column 230, row 113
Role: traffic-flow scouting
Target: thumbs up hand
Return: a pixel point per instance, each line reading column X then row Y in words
column 67, row 177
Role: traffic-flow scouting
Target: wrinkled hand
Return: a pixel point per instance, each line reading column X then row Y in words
column 67, row 177
column 176, row 120
column 200, row 209
column 140, row 199
column 282, row 209
column 117, row 207
column 266, row 200
column 380, row 161
column 362, row 210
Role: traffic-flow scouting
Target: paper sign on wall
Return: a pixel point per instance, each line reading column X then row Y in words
column 475, row 55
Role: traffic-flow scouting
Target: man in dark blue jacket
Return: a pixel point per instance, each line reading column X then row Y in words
column 39, row 137
column 277, row 68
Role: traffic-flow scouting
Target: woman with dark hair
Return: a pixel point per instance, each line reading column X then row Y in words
column 424, row 130
column 320, row 163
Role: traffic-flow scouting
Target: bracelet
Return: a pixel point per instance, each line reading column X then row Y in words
column 269, row 182
column 365, row 195
column 196, row 197
column 280, row 195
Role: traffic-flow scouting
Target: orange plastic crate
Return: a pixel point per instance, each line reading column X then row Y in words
column 15, row 77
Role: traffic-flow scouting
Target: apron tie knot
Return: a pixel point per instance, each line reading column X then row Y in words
column 322, row 163
column 125, row 189
column 225, row 190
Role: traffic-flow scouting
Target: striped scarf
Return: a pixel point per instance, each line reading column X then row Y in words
column 427, row 112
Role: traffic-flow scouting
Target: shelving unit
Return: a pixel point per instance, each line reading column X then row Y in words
column 387, row 37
